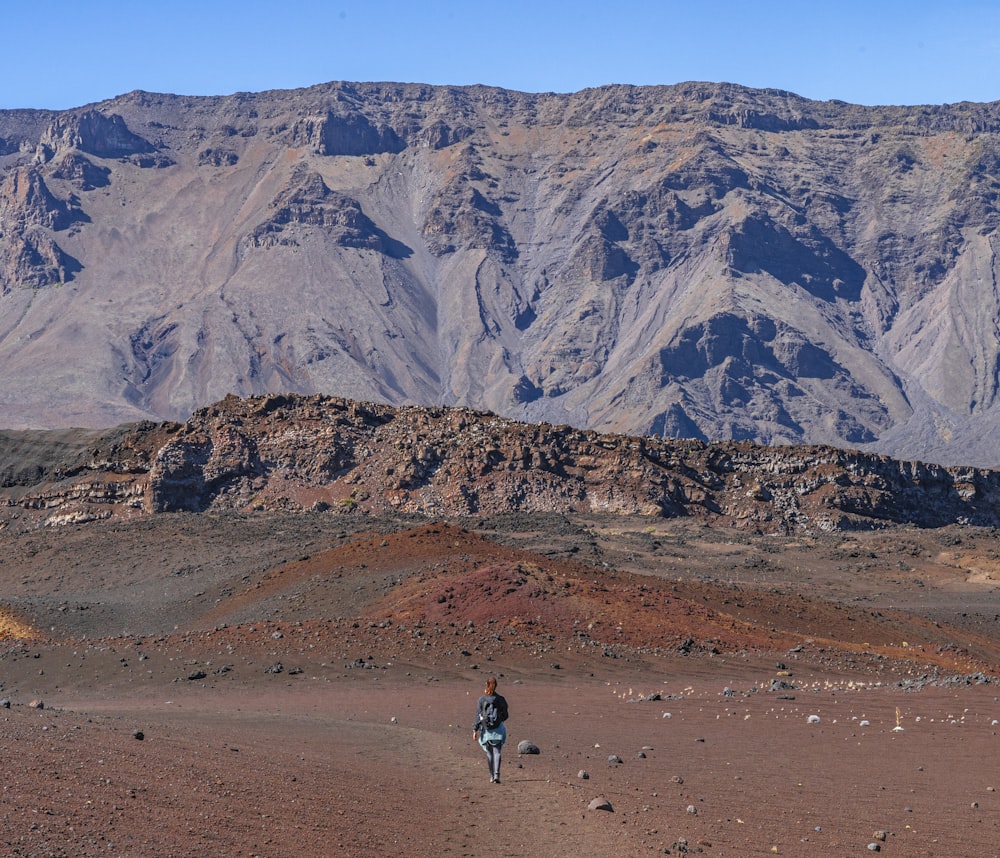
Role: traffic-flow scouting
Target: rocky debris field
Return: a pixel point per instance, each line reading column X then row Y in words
column 276, row 683
column 288, row 453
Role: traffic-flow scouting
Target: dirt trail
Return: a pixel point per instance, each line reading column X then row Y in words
column 315, row 715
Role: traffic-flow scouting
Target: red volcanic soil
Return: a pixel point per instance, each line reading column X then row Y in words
column 305, row 685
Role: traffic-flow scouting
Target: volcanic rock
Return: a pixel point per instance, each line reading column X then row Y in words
column 287, row 452
column 702, row 261
column 94, row 132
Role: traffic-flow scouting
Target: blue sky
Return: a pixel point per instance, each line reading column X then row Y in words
column 868, row 52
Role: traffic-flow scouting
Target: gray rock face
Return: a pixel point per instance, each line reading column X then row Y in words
column 94, row 132
column 700, row 261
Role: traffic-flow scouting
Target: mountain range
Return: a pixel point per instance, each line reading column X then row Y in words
column 699, row 261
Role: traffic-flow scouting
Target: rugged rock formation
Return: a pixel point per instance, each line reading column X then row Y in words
column 308, row 202
column 29, row 214
column 283, row 452
column 81, row 172
column 102, row 134
column 345, row 133
column 31, row 259
column 704, row 261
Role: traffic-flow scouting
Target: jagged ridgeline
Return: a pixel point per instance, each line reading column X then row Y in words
column 333, row 456
column 697, row 261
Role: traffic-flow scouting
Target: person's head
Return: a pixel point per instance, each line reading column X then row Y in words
column 491, row 685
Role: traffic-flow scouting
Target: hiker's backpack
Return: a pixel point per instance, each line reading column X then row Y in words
column 491, row 716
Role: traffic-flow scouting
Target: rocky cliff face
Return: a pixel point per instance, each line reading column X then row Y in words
column 699, row 261
column 284, row 452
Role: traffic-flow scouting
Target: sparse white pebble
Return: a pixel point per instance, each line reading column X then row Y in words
column 813, row 719
column 667, row 715
column 865, row 723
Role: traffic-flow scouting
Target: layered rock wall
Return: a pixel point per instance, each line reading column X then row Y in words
column 317, row 453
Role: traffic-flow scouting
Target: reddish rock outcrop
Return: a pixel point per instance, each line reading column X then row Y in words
column 286, row 452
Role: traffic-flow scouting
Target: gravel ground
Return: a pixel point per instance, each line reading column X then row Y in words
column 305, row 685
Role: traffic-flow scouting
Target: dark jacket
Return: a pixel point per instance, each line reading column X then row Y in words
column 484, row 701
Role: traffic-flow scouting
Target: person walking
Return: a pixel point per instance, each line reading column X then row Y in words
column 489, row 729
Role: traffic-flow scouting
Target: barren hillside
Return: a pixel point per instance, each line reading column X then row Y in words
column 292, row 453
column 255, row 632
column 700, row 261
